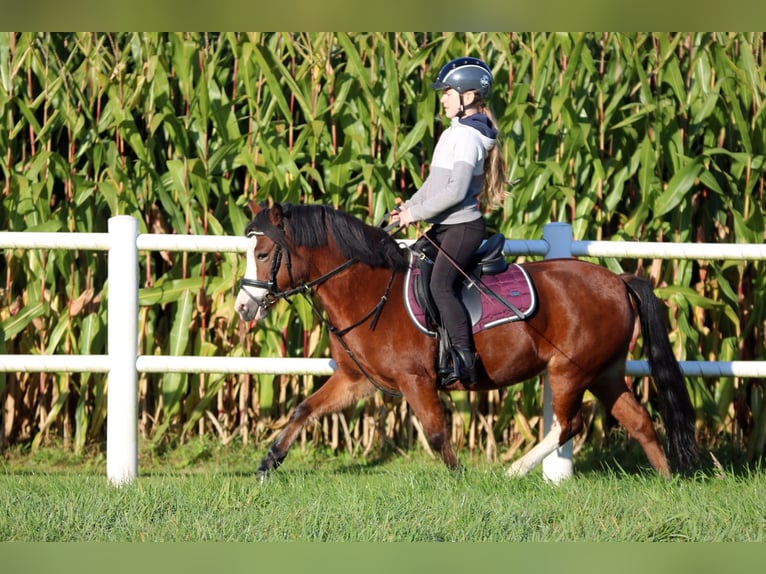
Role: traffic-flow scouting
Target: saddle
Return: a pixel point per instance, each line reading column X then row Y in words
column 494, row 294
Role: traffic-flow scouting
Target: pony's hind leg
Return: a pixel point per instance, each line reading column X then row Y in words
column 336, row 394
column 535, row 456
column 620, row 401
column 566, row 401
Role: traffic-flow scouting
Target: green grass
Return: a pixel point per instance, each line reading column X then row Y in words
column 203, row 492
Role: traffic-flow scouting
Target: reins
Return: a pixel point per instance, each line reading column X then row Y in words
column 301, row 289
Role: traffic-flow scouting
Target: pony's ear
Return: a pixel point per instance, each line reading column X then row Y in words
column 256, row 208
column 276, row 215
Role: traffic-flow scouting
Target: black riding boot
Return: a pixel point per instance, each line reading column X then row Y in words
column 463, row 367
column 467, row 365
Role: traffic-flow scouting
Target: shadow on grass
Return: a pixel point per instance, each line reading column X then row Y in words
column 630, row 459
column 618, row 457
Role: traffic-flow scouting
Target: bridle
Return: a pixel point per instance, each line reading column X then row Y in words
column 270, row 286
column 274, row 294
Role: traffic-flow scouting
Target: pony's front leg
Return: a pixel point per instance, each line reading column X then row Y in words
column 336, row 394
column 423, row 398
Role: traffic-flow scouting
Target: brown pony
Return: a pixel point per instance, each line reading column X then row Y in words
column 580, row 332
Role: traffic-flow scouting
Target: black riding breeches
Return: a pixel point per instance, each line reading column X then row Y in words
column 460, row 242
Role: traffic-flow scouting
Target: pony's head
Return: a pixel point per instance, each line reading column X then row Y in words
column 277, row 234
column 265, row 234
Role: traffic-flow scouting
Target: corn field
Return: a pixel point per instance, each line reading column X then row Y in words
column 655, row 137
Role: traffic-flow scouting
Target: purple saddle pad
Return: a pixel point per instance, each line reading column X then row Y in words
column 513, row 286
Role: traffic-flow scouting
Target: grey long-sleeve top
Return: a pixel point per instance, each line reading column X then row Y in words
column 456, row 177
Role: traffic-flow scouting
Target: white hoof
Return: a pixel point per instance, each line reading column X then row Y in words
column 517, row 469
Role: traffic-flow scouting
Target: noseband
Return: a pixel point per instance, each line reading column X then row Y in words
column 273, row 293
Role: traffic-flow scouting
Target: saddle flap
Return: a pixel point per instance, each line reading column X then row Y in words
column 496, row 299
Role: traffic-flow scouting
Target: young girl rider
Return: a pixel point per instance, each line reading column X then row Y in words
column 466, row 169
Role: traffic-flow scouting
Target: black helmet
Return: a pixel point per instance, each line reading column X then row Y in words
column 463, row 75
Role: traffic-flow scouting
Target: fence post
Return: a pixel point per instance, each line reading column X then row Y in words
column 558, row 465
column 122, row 333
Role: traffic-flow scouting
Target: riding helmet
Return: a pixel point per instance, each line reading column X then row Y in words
column 463, row 75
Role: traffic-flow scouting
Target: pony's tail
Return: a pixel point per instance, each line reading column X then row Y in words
column 675, row 405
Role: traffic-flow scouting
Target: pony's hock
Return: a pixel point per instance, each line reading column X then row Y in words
column 579, row 333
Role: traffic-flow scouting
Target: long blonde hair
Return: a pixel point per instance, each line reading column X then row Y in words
column 495, row 190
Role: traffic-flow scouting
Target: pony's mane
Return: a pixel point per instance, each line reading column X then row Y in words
column 312, row 226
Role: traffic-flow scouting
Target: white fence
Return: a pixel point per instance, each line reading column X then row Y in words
column 122, row 362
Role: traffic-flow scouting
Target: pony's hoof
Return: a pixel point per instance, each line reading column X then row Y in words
column 516, row 470
column 262, row 476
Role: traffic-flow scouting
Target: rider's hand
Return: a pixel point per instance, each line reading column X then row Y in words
column 403, row 216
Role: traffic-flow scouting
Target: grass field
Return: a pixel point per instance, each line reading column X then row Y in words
column 204, row 492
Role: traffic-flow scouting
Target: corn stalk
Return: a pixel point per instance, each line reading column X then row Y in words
column 656, row 137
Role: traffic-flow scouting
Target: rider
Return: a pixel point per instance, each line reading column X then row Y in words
column 465, row 163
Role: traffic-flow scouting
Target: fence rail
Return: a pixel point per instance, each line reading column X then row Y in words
column 301, row 366
column 122, row 362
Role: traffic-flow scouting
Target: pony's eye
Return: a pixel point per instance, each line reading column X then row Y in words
column 262, row 256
